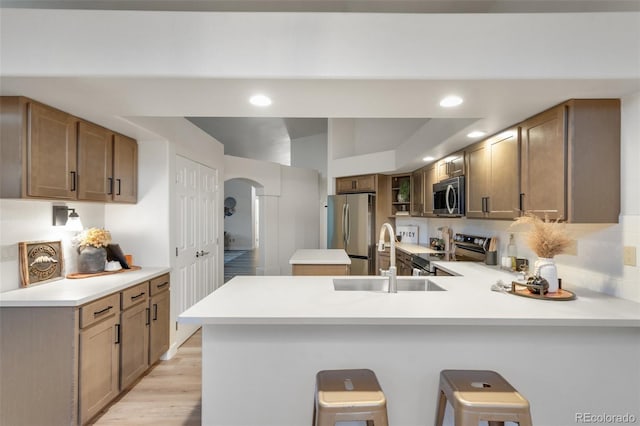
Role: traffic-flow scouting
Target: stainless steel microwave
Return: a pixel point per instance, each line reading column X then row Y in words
column 448, row 197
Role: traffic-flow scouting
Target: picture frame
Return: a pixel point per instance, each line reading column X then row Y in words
column 40, row 262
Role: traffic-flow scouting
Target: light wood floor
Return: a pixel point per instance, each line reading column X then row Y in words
column 170, row 394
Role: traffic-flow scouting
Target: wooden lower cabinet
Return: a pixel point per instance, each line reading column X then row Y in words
column 159, row 327
column 99, row 366
column 64, row 365
column 403, row 263
column 309, row 269
column 134, row 348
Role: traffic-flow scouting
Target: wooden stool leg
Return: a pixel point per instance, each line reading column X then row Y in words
column 442, row 405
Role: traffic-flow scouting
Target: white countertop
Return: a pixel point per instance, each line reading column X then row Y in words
column 414, row 248
column 320, row 257
column 76, row 292
column 467, row 301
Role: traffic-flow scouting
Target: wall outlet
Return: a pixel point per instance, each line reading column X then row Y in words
column 629, row 256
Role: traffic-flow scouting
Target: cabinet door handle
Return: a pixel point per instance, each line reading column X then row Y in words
column 110, row 186
column 119, row 186
column 148, row 316
column 486, row 205
column 139, row 295
column 155, row 312
column 73, row 181
column 117, row 334
column 107, row 309
column 521, row 202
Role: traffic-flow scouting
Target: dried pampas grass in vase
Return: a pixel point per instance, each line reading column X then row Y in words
column 547, row 239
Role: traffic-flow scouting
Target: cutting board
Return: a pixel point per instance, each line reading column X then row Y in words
column 78, row 275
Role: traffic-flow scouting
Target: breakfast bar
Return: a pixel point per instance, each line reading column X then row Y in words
column 276, row 333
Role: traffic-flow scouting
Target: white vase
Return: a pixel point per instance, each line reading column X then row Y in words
column 546, row 268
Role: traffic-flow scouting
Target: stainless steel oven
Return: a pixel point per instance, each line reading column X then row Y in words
column 448, row 197
column 467, row 248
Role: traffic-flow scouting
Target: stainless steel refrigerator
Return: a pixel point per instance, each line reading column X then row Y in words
column 351, row 226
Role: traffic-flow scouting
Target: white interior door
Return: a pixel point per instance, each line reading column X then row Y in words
column 208, row 233
column 197, row 237
column 186, row 266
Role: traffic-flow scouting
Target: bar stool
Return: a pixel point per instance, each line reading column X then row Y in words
column 480, row 395
column 349, row 395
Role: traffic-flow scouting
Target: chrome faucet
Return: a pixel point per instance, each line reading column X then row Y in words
column 392, row 272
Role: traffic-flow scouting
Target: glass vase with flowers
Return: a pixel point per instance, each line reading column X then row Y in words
column 547, row 239
column 92, row 254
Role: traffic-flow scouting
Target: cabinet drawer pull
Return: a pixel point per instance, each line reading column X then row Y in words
column 107, row 309
column 117, row 334
column 163, row 284
column 139, row 295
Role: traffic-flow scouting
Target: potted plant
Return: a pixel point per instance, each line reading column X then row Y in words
column 403, row 191
column 92, row 254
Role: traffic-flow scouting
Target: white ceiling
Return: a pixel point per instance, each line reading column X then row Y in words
column 377, row 6
column 301, row 106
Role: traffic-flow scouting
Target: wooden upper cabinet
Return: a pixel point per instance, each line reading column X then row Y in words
column 95, row 160
column 503, row 199
column 353, row 184
column 430, row 177
column 493, row 177
column 451, row 166
column 417, row 193
column 47, row 153
column 477, row 179
column 125, row 169
column 570, row 162
column 38, row 147
column 543, row 164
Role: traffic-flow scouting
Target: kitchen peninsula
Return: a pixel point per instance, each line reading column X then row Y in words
column 264, row 339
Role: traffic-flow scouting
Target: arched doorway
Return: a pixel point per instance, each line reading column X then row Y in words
column 241, row 227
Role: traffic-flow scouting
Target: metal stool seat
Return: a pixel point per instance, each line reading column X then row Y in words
column 349, row 395
column 480, row 395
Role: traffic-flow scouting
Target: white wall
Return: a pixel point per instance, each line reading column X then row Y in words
column 239, row 226
column 289, row 213
column 311, row 152
column 299, row 214
column 31, row 220
column 413, row 46
column 146, row 240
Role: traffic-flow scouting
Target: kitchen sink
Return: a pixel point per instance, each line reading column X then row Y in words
column 381, row 284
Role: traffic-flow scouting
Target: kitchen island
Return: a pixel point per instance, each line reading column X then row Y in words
column 320, row 262
column 264, row 339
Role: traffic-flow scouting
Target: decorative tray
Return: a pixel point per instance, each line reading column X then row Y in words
column 520, row 289
column 78, row 275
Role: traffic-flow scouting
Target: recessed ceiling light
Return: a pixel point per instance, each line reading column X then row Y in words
column 260, row 100
column 428, row 159
column 451, row 101
column 476, row 134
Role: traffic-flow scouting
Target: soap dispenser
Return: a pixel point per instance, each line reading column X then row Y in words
column 512, row 251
